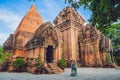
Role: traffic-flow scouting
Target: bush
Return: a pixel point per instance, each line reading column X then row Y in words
column 62, row 63
column 108, row 61
column 115, row 60
column 19, row 63
column 39, row 63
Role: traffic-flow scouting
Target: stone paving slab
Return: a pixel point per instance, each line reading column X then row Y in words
column 83, row 74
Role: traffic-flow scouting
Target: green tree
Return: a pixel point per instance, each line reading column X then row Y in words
column 4, row 56
column 1, row 49
column 31, row 0
column 113, row 32
column 104, row 12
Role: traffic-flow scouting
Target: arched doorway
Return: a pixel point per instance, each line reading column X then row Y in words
column 49, row 54
column 48, row 39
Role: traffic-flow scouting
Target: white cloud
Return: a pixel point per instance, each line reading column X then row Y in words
column 9, row 19
column 52, row 7
column 3, row 37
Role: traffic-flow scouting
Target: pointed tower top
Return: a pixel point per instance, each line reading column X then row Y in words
column 33, row 7
column 31, row 21
column 68, row 13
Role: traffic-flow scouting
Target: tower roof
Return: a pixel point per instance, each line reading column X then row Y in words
column 31, row 21
column 68, row 13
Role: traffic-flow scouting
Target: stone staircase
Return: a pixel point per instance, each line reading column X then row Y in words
column 117, row 67
column 52, row 68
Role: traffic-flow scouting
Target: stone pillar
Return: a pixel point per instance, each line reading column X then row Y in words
column 54, row 55
column 85, row 47
column 45, row 51
column 82, row 58
column 73, row 45
column 104, row 58
column 97, row 55
column 42, row 52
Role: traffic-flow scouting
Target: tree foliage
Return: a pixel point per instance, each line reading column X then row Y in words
column 104, row 12
column 4, row 56
column 31, row 0
column 113, row 32
column 1, row 49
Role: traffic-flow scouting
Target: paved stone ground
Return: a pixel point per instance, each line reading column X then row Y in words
column 83, row 74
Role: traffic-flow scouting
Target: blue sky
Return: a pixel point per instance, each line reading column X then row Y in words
column 12, row 12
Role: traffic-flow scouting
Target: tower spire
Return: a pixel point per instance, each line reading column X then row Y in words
column 31, row 21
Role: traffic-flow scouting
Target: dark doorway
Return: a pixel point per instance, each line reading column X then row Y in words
column 49, row 54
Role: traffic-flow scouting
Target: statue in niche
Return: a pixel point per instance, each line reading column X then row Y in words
column 87, row 34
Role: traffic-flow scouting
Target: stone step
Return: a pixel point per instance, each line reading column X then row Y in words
column 48, row 70
column 53, row 68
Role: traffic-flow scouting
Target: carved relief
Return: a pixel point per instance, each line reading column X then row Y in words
column 45, row 35
column 8, row 45
column 84, row 44
column 88, row 39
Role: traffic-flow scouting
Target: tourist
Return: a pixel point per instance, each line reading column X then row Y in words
column 73, row 68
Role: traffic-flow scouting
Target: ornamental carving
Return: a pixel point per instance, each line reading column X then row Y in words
column 45, row 35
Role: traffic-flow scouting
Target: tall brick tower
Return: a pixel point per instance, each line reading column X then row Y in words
column 70, row 23
column 25, row 30
column 31, row 21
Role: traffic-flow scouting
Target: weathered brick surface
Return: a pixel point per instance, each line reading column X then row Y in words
column 69, row 38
